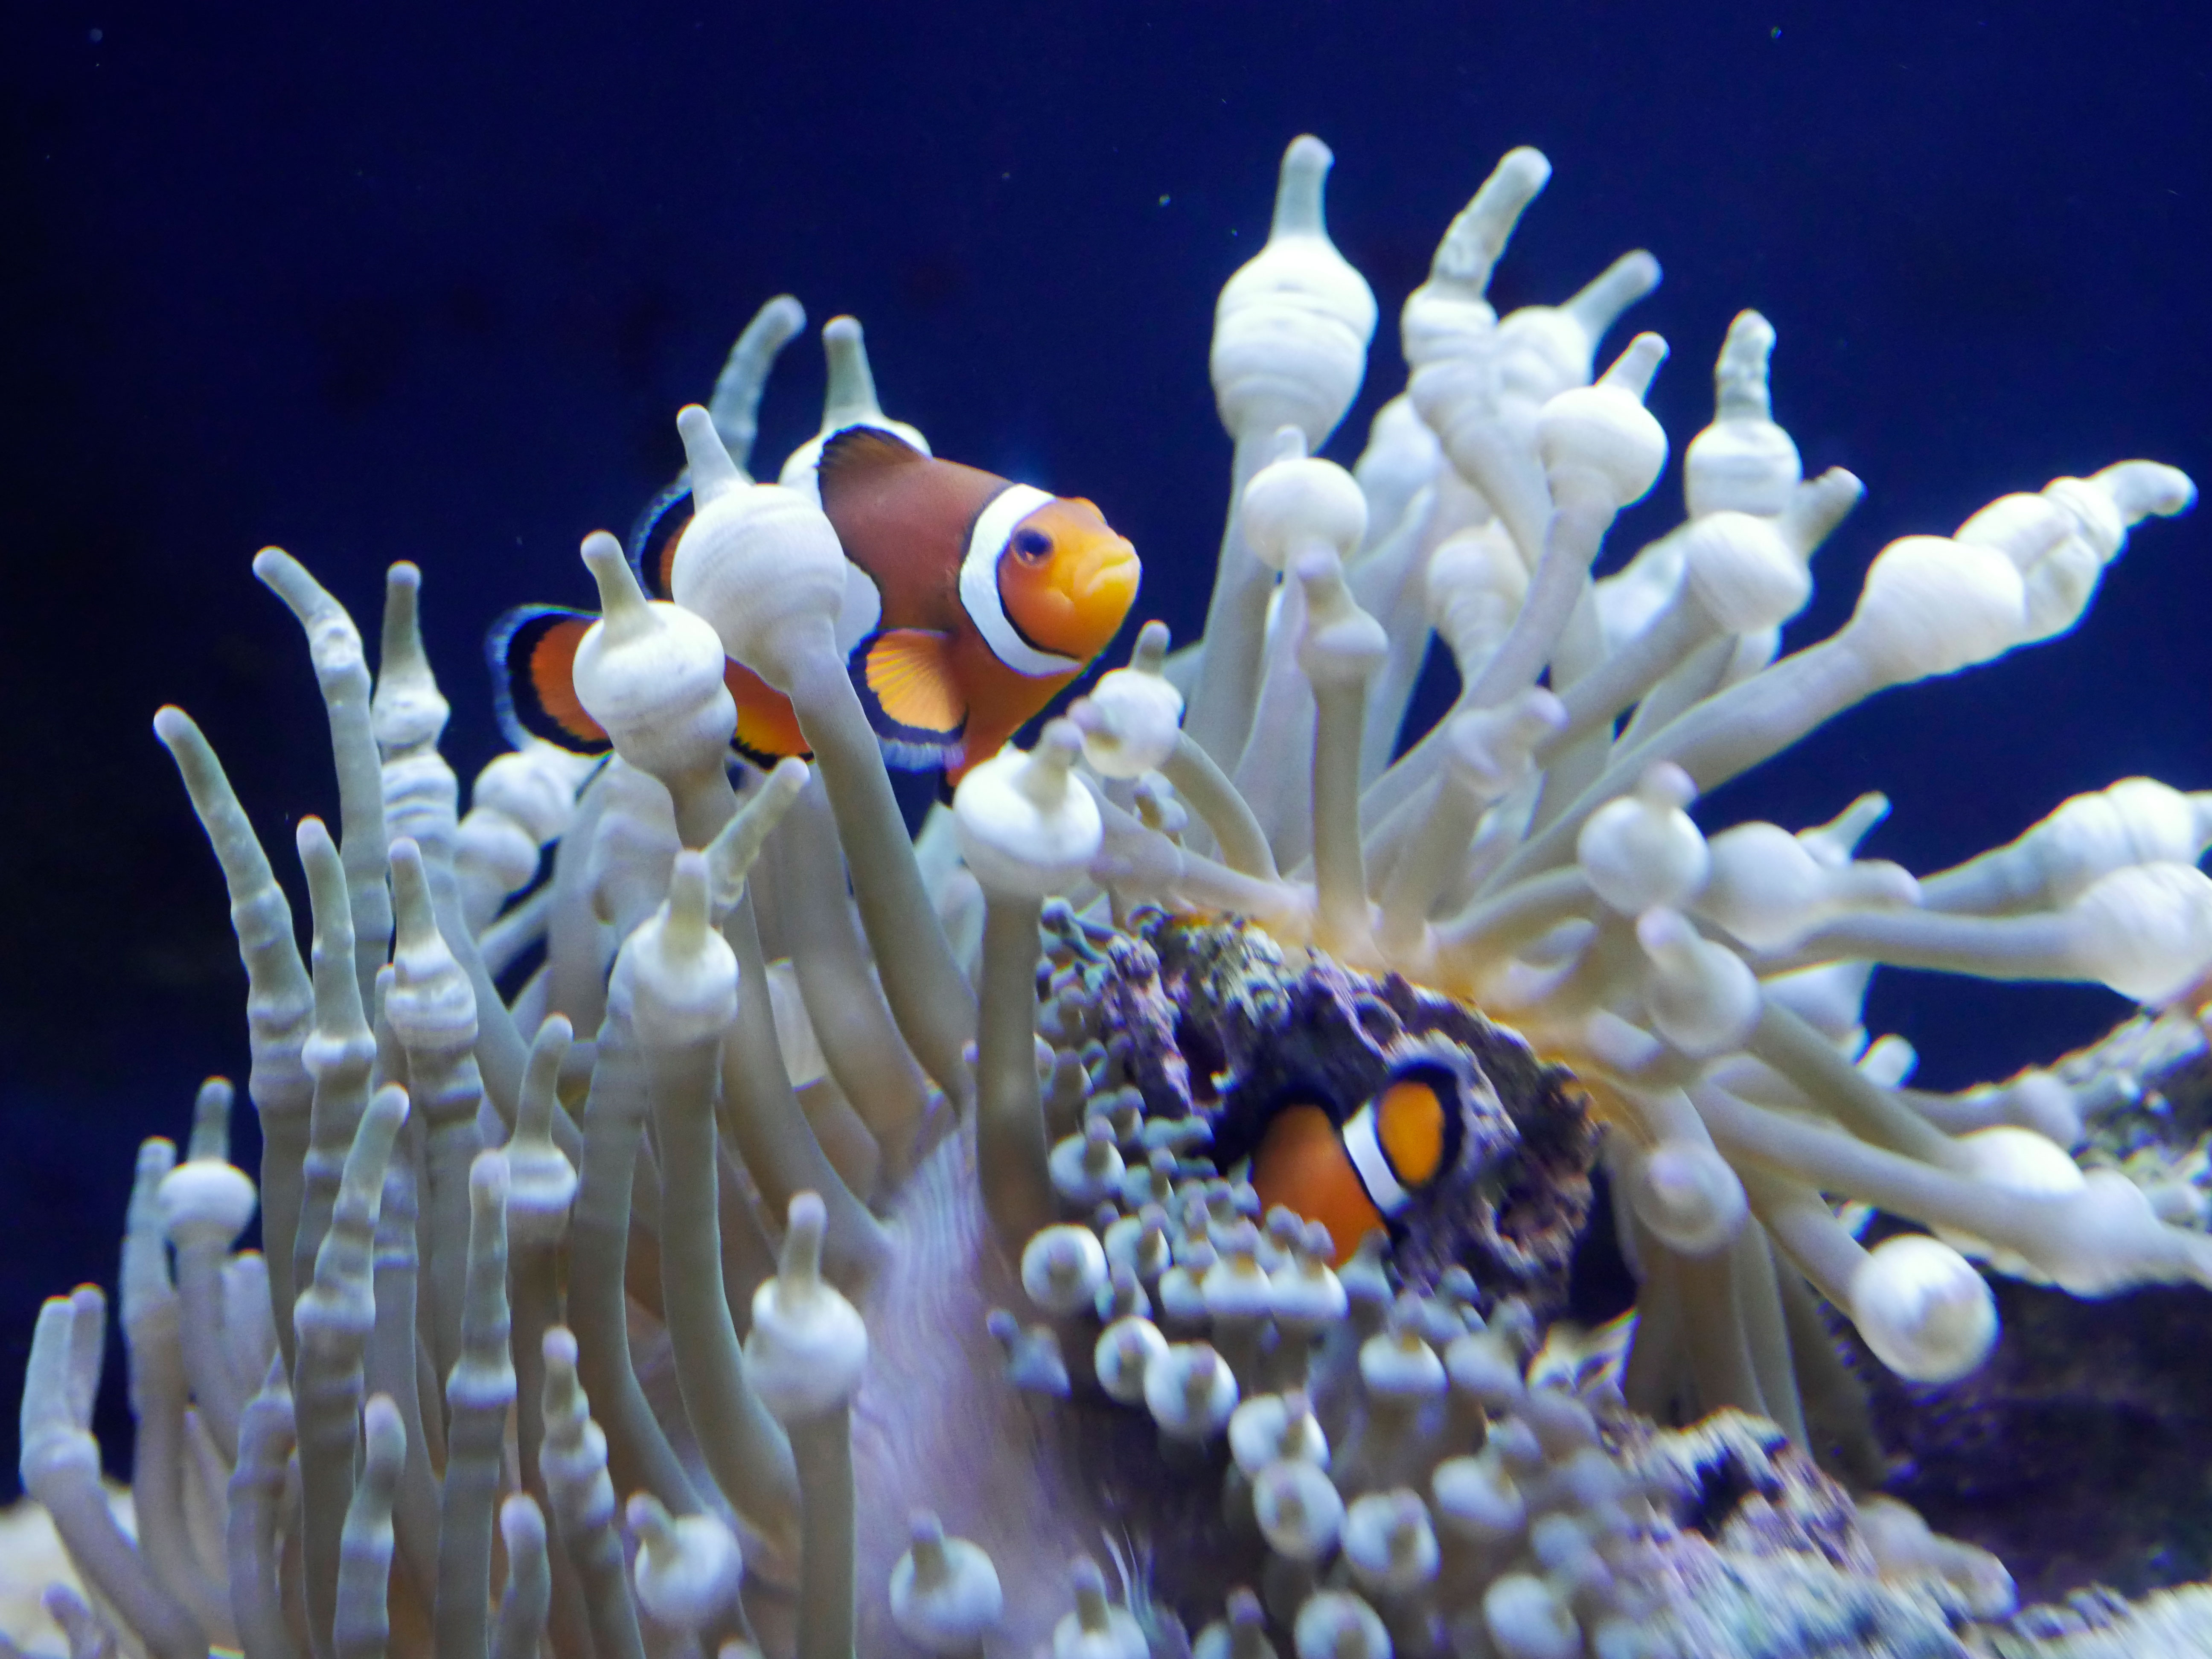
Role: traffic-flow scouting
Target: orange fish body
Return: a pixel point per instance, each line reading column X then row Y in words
column 1362, row 1176
column 970, row 603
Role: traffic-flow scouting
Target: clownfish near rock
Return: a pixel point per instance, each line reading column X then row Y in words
column 970, row 602
column 1369, row 1171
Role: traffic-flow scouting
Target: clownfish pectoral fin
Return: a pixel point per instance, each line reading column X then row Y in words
column 653, row 539
column 768, row 728
column 907, row 683
column 532, row 652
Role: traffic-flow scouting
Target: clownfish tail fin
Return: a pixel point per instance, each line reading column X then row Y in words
column 767, row 727
column 653, row 539
column 531, row 651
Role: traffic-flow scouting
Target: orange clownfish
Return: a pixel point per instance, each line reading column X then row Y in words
column 1364, row 1175
column 969, row 601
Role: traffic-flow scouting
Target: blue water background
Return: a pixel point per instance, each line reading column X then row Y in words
column 430, row 282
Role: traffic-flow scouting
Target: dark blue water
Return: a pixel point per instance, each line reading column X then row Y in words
column 424, row 281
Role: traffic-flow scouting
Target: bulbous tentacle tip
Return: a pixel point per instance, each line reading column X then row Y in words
column 776, row 323
column 407, row 880
column 1664, row 784
column 685, row 931
column 1298, row 205
column 205, row 1199
column 1923, row 1310
column 1613, row 291
column 1026, row 824
column 413, row 914
column 1132, row 720
column 408, row 712
column 1338, row 1625
column 522, row 1525
column 1150, row 653
column 1740, row 376
column 1632, row 370
column 646, row 1515
column 1520, row 174
column 172, row 725
column 1642, row 850
column 1690, row 1199
column 401, row 642
column 1817, row 507
column 1060, row 745
column 290, row 580
column 211, row 1118
column 2142, row 489
column 1599, row 440
column 559, row 1348
column 714, row 474
column 735, row 403
column 808, row 1346
column 1294, row 502
column 1476, row 236
column 688, row 1568
column 799, row 1262
column 731, row 855
column 850, row 395
column 384, row 1431
column 489, row 1180
column 391, row 1102
column 622, row 601
column 773, row 326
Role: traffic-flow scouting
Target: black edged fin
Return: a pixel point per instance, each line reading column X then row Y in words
column 768, row 728
column 914, row 701
column 653, row 539
column 853, row 451
column 531, row 650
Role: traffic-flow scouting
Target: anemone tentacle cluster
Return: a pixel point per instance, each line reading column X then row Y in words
column 841, row 1242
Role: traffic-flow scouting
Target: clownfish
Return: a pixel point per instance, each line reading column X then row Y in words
column 1363, row 1176
column 970, row 602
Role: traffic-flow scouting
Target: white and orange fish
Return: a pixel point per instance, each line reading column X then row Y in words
column 970, row 602
column 1365, row 1173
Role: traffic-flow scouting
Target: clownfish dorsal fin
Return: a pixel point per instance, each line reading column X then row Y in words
column 532, row 652
column 907, row 685
column 860, row 452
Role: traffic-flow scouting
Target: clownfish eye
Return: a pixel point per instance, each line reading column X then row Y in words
column 1030, row 545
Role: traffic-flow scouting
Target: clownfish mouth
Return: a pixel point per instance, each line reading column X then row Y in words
column 1102, row 585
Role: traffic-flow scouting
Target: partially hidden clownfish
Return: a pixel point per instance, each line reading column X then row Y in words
column 1365, row 1174
column 970, row 602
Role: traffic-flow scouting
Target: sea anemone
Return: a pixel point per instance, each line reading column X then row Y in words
column 841, row 1243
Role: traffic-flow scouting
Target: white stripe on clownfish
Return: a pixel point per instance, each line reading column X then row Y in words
column 1365, row 1151
column 979, row 583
